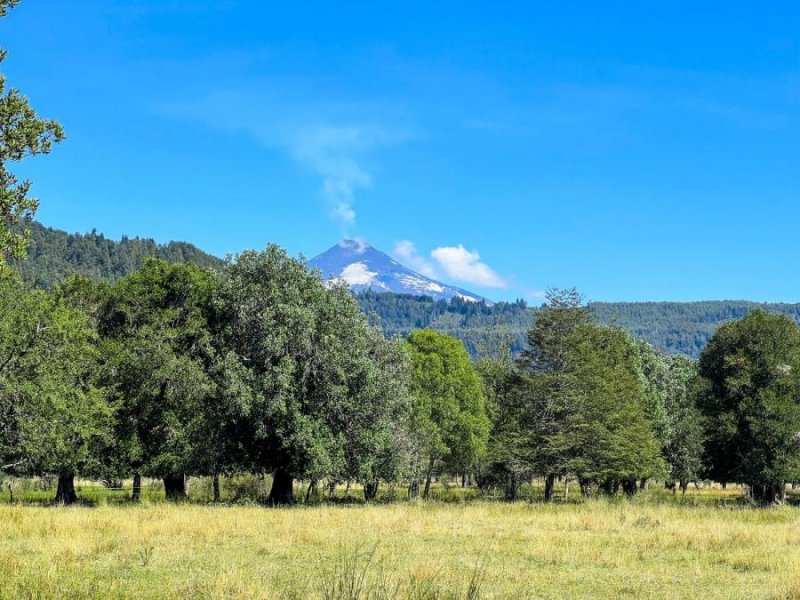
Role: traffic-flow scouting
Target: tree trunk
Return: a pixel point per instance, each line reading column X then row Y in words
column 282, row 492
column 312, row 490
column 586, row 486
column 174, row 487
column 684, row 485
column 643, row 484
column 610, row 486
column 549, row 487
column 371, row 489
column 427, row 491
column 629, row 486
column 413, row 489
column 65, row 492
column 136, row 493
column 512, row 487
column 215, row 488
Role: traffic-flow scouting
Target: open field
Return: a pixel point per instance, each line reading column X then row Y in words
column 651, row 546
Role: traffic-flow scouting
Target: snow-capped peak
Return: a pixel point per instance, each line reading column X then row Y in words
column 363, row 267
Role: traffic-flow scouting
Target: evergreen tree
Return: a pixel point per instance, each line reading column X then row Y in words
column 749, row 394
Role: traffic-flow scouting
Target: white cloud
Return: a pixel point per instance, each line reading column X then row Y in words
column 465, row 265
column 406, row 253
column 453, row 262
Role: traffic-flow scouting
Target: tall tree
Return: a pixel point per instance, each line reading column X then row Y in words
column 160, row 360
column 449, row 411
column 54, row 417
column 585, row 397
column 549, row 360
column 750, row 395
column 22, row 134
column 508, row 460
column 318, row 390
column 684, row 448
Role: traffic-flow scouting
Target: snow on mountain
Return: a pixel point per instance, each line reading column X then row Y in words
column 365, row 268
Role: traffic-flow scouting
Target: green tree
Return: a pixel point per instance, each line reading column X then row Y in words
column 508, row 460
column 670, row 405
column 319, row 392
column 585, row 400
column 449, row 417
column 54, row 417
column 684, row 449
column 749, row 393
column 22, row 134
column 160, row 359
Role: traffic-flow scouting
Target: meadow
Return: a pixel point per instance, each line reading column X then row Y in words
column 707, row 544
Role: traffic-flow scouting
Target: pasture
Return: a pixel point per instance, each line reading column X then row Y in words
column 707, row 544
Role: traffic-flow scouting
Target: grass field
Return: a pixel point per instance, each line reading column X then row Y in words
column 705, row 545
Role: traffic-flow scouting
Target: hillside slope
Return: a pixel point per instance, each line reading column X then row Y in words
column 53, row 254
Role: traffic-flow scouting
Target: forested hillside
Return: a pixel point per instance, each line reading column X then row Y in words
column 53, row 254
column 480, row 326
column 680, row 327
column 675, row 327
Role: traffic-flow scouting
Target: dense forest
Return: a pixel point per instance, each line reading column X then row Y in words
column 680, row 327
column 53, row 254
column 673, row 327
column 262, row 368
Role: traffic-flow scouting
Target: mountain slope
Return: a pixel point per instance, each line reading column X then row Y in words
column 365, row 268
column 53, row 254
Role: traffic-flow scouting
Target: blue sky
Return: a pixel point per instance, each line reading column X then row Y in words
column 638, row 151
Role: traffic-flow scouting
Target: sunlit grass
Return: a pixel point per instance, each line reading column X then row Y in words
column 652, row 546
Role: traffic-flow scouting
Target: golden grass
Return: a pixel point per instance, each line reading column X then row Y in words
column 636, row 549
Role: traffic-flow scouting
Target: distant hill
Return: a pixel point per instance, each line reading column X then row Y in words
column 366, row 268
column 680, row 327
column 482, row 327
column 674, row 327
column 53, row 254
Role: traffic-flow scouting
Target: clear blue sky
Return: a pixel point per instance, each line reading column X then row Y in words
column 639, row 151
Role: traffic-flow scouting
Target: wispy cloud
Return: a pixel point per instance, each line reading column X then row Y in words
column 406, row 252
column 333, row 140
column 453, row 262
column 333, row 152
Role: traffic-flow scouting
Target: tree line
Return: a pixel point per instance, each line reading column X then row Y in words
column 260, row 367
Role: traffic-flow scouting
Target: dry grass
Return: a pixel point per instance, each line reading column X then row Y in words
column 648, row 547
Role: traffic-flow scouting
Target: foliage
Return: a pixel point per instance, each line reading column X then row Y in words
column 586, row 416
column 680, row 327
column 321, row 393
column 449, row 417
column 53, row 414
column 159, row 359
column 750, row 396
